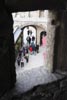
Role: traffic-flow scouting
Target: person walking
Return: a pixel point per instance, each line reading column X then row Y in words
column 27, row 57
column 44, row 39
column 30, row 50
column 28, row 39
column 22, row 62
column 18, row 60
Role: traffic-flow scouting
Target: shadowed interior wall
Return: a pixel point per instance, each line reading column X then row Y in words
column 60, row 47
column 7, row 63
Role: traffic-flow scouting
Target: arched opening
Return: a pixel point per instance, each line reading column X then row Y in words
column 43, row 33
column 29, row 31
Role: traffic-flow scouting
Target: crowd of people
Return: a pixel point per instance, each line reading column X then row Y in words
column 27, row 49
column 24, row 53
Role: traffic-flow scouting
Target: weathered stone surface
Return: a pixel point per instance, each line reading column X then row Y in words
column 60, row 47
column 47, row 91
column 51, row 91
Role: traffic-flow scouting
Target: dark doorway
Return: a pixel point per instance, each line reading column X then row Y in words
column 41, row 34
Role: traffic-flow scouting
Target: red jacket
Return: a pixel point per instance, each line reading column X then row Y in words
column 30, row 49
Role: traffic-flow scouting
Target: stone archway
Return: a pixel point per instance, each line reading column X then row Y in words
column 31, row 31
column 38, row 27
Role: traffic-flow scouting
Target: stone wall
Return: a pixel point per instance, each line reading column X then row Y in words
column 7, row 63
column 60, row 47
column 40, row 28
column 50, row 40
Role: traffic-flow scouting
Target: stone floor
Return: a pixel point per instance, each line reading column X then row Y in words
column 31, row 76
column 29, row 79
